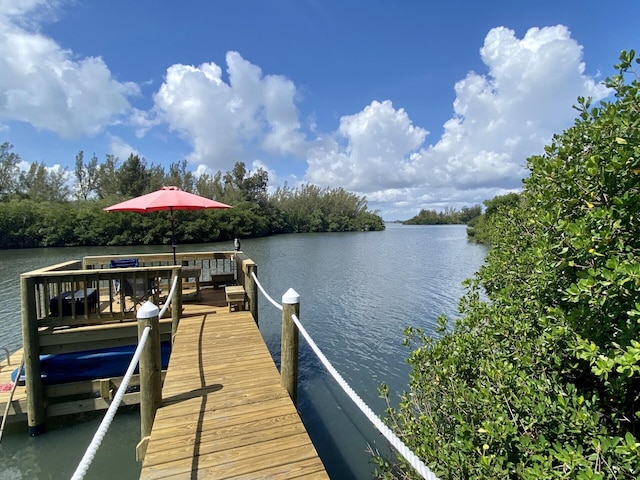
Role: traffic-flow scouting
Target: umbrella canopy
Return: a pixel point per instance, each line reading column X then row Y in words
column 167, row 198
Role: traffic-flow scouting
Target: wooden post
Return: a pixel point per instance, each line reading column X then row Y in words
column 252, row 290
column 150, row 374
column 176, row 303
column 36, row 413
column 289, row 348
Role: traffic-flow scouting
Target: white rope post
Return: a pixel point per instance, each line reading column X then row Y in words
column 150, row 373
column 289, row 348
column 292, row 299
column 393, row 439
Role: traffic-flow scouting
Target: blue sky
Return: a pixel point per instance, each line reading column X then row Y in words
column 414, row 104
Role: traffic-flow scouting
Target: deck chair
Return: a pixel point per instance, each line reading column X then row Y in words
column 137, row 289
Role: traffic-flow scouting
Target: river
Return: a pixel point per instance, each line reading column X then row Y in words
column 358, row 291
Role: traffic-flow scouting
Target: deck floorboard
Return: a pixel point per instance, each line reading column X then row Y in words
column 225, row 414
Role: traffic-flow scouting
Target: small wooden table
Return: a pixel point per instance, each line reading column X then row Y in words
column 235, row 297
column 193, row 271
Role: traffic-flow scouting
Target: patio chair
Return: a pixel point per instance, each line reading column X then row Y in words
column 137, row 289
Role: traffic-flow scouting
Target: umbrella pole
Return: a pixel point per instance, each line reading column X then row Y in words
column 173, row 237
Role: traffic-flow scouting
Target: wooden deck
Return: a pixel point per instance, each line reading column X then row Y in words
column 225, row 414
column 18, row 410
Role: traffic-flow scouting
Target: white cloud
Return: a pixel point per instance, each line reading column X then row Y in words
column 374, row 149
column 224, row 121
column 499, row 119
column 120, row 149
column 44, row 85
column 504, row 117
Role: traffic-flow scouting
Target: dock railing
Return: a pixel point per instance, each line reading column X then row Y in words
column 66, row 309
column 246, row 271
column 77, row 305
column 291, row 328
column 217, row 268
column 147, row 355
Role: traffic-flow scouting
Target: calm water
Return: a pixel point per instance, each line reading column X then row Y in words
column 358, row 292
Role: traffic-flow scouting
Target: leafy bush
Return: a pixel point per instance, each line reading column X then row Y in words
column 540, row 378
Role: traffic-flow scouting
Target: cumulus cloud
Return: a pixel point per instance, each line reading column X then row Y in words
column 499, row 119
column 42, row 83
column 225, row 120
column 503, row 118
column 233, row 113
column 374, row 148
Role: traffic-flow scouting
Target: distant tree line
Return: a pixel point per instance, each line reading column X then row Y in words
column 447, row 216
column 50, row 206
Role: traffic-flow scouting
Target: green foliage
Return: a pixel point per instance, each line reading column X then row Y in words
column 540, row 377
column 9, row 170
column 446, row 217
column 27, row 220
column 133, row 177
column 44, row 184
column 86, row 176
column 312, row 209
column 255, row 212
column 480, row 227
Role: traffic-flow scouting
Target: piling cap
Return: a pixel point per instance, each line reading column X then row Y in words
column 290, row 297
column 148, row 310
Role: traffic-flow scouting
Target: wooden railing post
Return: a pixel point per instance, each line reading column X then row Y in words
column 36, row 414
column 176, row 303
column 252, row 290
column 289, row 348
column 150, row 374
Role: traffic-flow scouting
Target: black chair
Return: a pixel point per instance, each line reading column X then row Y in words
column 138, row 289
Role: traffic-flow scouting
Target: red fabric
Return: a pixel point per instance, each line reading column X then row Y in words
column 167, row 198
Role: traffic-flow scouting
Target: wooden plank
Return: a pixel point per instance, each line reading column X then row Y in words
column 88, row 386
column 308, row 469
column 180, row 447
column 89, row 405
column 240, row 461
column 94, row 337
column 262, row 423
column 18, row 408
column 225, row 413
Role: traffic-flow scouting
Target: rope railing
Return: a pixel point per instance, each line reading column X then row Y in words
column 388, row 434
column 169, row 297
column 273, row 302
column 86, row 460
column 92, row 449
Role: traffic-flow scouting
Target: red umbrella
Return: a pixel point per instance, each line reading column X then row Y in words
column 167, row 198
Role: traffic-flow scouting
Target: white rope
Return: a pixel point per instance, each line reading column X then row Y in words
column 169, row 298
column 398, row 444
column 275, row 304
column 84, row 464
column 391, row 437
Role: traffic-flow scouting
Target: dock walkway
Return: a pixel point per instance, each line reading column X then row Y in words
column 225, row 414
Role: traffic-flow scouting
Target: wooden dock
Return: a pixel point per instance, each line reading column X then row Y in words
column 225, row 414
column 18, row 410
